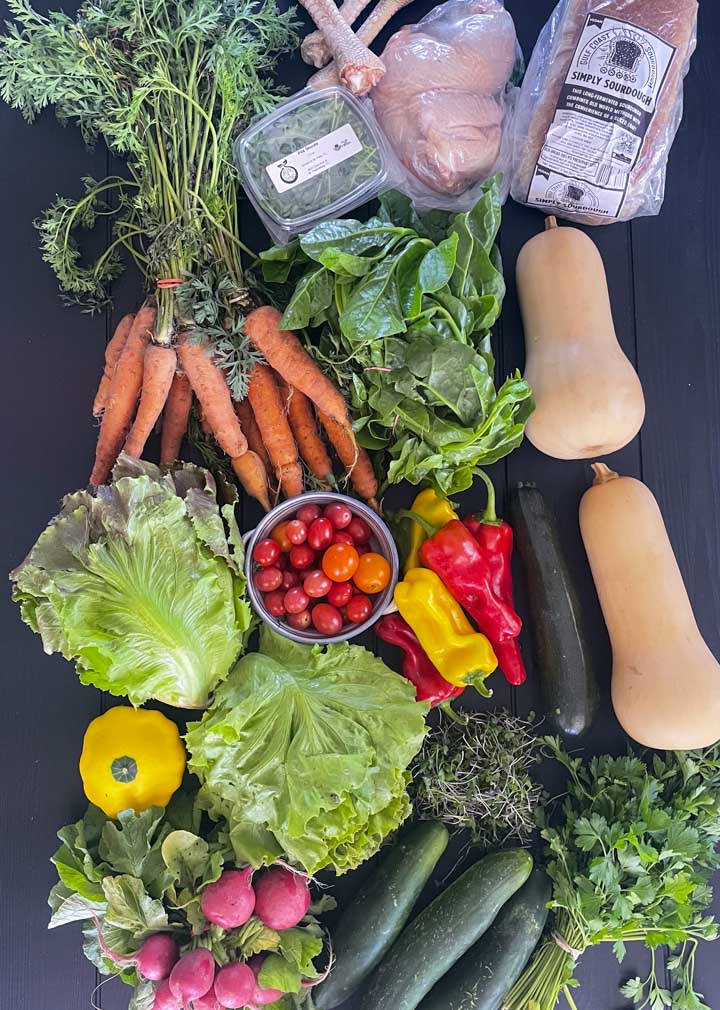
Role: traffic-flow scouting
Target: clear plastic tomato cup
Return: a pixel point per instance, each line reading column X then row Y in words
column 380, row 542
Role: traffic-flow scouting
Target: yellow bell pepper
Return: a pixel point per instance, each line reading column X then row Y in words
column 131, row 759
column 460, row 654
column 434, row 510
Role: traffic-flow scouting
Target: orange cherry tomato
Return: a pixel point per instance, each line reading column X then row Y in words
column 279, row 535
column 372, row 574
column 340, row 562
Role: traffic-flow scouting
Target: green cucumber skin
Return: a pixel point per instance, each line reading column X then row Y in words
column 484, row 976
column 560, row 643
column 375, row 917
column 456, row 919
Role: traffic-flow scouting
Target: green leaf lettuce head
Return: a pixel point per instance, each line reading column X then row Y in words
column 141, row 583
column 403, row 306
column 305, row 752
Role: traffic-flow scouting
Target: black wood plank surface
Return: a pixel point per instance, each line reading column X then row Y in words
column 663, row 277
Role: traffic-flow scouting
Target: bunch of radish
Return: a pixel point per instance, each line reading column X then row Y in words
column 280, row 899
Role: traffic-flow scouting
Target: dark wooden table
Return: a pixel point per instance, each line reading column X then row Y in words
column 663, row 276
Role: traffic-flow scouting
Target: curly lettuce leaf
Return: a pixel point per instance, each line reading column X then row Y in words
column 305, row 752
column 141, row 583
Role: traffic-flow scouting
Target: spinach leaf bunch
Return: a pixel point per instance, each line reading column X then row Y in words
column 167, row 85
column 405, row 306
column 630, row 858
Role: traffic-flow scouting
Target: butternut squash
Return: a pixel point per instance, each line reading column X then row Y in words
column 665, row 680
column 588, row 397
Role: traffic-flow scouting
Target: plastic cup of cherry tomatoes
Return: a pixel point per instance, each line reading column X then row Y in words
column 321, row 568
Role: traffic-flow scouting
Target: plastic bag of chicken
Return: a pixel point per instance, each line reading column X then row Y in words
column 445, row 103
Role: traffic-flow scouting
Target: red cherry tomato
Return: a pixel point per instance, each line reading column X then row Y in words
column 338, row 514
column 328, row 620
column 360, row 548
column 301, row 621
column 281, row 562
column 320, row 534
column 358, row 609
column 296, row 600
column 301, row 557
column 372, row 574
column 343, row 537
column 266, row 553
column 274, row 603
column 268, row 579
column 296, row 532
column 309, row 513
column 340, row 562
column 290, row 579
column 279, row 535
column 316, row 584
column 359, row 530
column 340, row 593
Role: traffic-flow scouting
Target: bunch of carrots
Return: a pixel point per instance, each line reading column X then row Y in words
column 265, row 435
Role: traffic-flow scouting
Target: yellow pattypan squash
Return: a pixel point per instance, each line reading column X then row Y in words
column 131, row 759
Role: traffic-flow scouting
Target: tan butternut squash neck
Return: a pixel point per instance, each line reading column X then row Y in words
column 603, row 474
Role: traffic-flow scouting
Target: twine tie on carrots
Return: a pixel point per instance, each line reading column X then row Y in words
column 565, row 946
column 168, row 283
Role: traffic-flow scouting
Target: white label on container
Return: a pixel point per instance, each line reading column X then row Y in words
column 314, row 158
column 604, row 110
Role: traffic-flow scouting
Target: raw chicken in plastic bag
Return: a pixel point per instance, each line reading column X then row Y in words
column 446, row 99
column 600, row 106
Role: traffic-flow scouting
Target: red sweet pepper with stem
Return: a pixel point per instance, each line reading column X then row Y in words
column 495, row 537
column 417, row 668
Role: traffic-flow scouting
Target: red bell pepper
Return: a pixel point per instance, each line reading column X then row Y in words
column 417, row 668
column 495, row 538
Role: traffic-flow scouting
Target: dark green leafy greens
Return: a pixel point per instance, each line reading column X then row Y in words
column 404, row 306
column 144, row 873
column 630, row 858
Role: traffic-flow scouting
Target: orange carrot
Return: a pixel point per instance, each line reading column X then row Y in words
column 252, row 433
column 251, row 473
column 284, row 352
column 267, row 405
column 122, row 396
column 209, row 385
column 354, row 458
column 158, row 373
column 113, row 350
column 175, row 418
column 304, row 428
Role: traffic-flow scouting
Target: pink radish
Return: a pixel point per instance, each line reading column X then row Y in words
column 155, row 958
column 164, row 998
column 282, row 898
column 230, row 901
column 206, row 1002
column 235, row 985
column 193, row 975
column 261, row 997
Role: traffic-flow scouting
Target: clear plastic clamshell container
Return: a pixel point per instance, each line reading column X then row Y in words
column 316, row 156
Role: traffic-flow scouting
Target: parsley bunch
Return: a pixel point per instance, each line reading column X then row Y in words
column 630, row 859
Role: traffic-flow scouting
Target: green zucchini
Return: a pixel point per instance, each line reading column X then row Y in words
column 484, row 976
column 560, row 643
column 374, row 918
column 453, row 922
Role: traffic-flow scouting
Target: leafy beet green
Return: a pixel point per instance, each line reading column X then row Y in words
column 404, row 306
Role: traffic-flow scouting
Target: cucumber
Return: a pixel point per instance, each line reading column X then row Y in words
column 374, row 918
column 560, row 643
column 484, row 976
column 433, row 942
